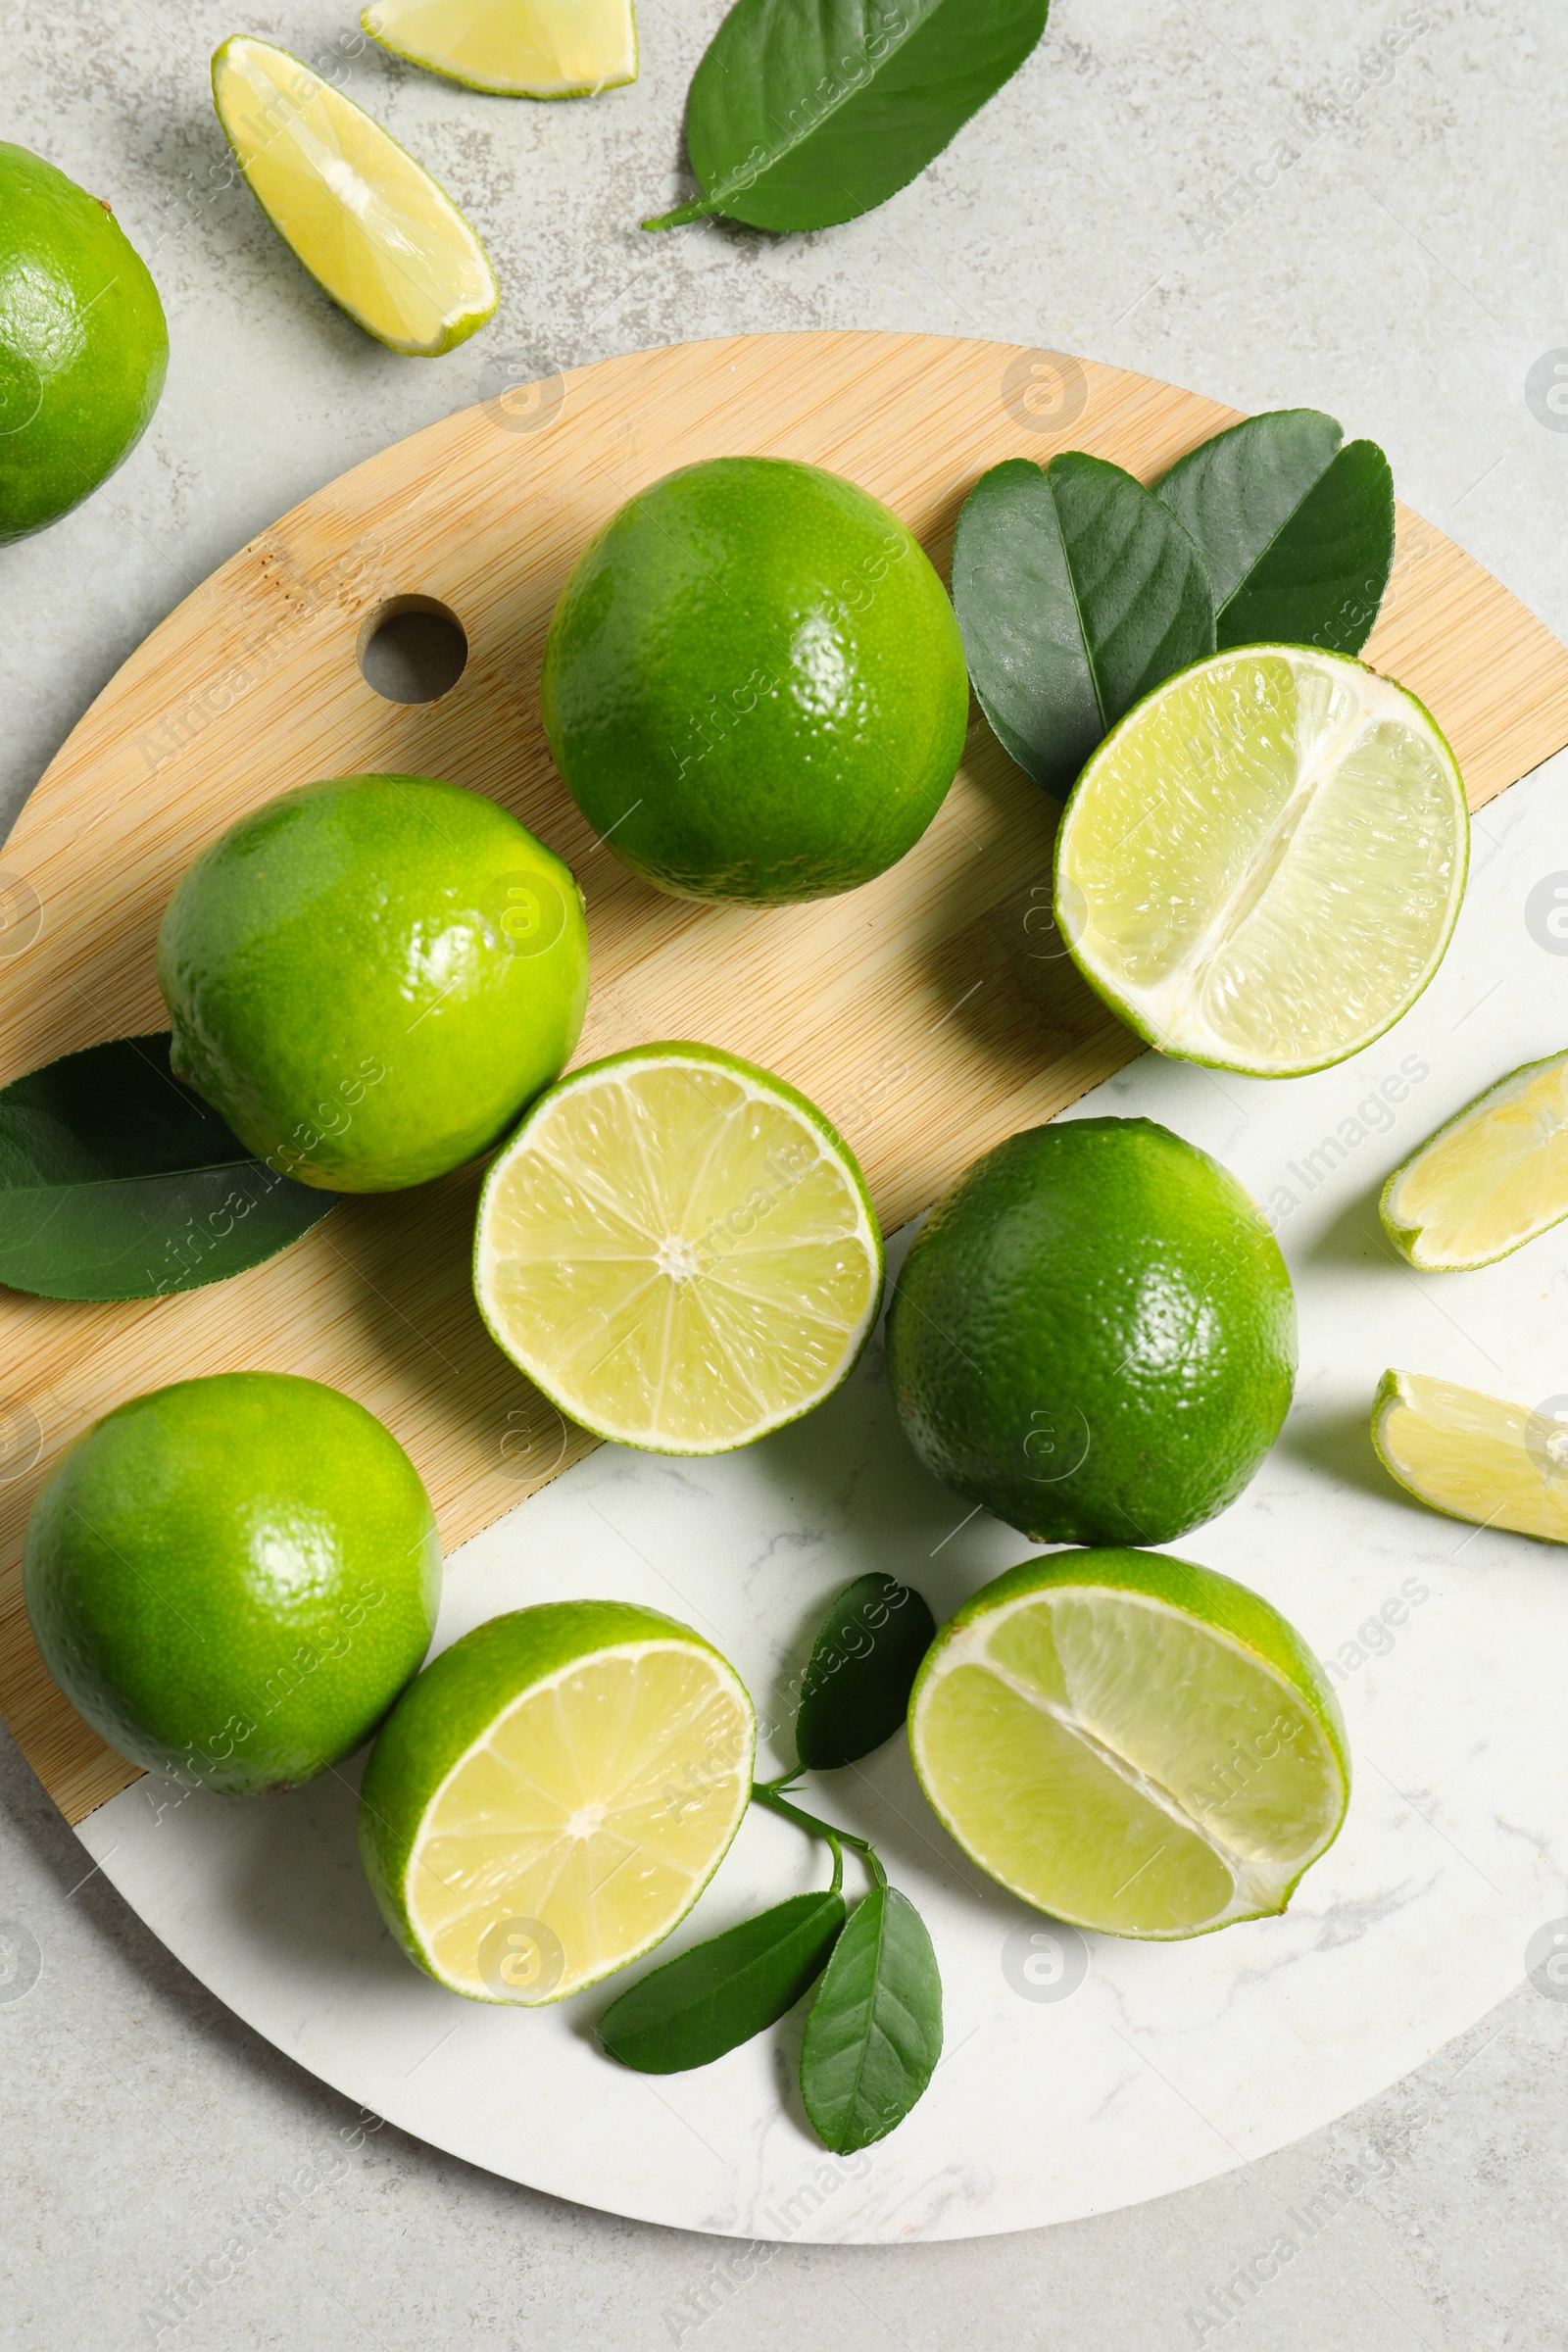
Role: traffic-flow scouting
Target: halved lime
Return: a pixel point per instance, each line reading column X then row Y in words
column 678, row 1250
column 515, row 48
column 370, row 223
column 1474, row 1456
column 1492, row 1179
column 549, row 1798
column 1131, row 1742
column 1262, row 866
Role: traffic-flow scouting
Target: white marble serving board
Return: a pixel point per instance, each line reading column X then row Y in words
column 1065, row 2089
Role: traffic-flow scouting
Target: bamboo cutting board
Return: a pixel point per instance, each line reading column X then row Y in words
column 930, row 1013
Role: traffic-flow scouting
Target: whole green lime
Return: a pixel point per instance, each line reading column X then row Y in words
column 232, row 1579
column 1094, row 1335
column 753, row 684
column 83, row 346
column 370, row 977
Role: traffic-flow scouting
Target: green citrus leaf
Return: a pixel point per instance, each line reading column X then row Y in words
column 721, row 1993
column 1296, row 532
column 117, row 1182
column 874, row 2034
column 1076, row 591
column 862, row 1666
column 805, row 113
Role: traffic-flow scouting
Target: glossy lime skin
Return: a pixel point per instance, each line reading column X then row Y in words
column 753, row 684
column 232, row 1579
column 83, row 344
column 370, row 977
column 448, row 1707
column 1094, row 1335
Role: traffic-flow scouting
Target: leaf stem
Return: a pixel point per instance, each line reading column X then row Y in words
column 771, row 1795
column 699, row 208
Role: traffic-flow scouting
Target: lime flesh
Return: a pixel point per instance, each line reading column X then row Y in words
column 83, row 346
column 370, row 223
column 552, row 1794
column 1490, row 1180
column 513, row 48
column 1129, row 1742
column 232, row 1579
column 678, row 1250
column 1262, row 866
column 1473, row 1456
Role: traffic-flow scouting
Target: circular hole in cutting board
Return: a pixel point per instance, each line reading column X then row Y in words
column 412, row 650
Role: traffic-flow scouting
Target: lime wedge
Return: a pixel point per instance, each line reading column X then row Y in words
column 550, row 1797
column 1262, row 866
column 1492, row 1179
column 1131, row 1742
column 1474, row 1456
column 370, row 223
column 678, row 1250
column 515, row 48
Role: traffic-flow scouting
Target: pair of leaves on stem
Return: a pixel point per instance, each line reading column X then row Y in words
column 1077, row 590
column 806, row 113
column 874, row 2033
column 117, row 1182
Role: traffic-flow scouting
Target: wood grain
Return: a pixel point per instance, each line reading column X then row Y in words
column 929, row 1013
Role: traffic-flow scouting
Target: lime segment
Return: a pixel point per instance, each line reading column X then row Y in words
column 1473, row 1456
column 515, row 48
column 551, row 1797
column 679, row 1250
column 1261, row 867
column 1492, row 1179
column 370, row 223
column 1131, row 1742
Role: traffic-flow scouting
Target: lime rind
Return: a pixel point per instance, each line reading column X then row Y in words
column 568, row 1399
column 256, row 65
column 452, row 1712
column 232, row 1577
column 1178, row 1039
column 1473, row 1456
column 79, row 397
column 1410, row 1224
column 1210, row 1614
column 617, row 18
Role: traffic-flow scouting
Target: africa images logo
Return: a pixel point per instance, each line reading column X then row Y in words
column 1546, row 913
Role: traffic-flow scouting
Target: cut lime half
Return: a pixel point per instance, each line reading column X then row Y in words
column 513, row 48
column 1475, row 1456
column 1492, row 1179
column 370, row 223
column 549, row 1798
column 678, row 1250
column 1131, row 1742
column 1262, row 866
